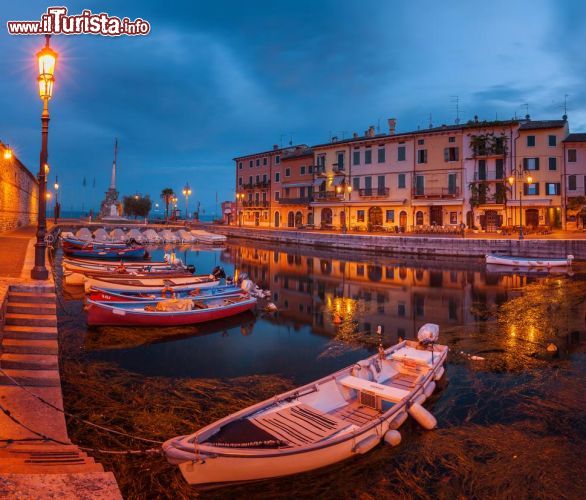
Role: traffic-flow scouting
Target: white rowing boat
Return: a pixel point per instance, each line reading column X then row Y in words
column 149, row 285
column 335, row 418
column 507, row 260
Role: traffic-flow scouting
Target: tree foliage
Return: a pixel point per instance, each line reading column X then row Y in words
column 167, row 195
column 137, row 206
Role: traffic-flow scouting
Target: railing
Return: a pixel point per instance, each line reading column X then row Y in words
column 326, row 195
column 257, row 185
column 436, row 193
column 255, row 204
column 248, row 185
column 295, row 201
column 490, row 175
column 380, row 192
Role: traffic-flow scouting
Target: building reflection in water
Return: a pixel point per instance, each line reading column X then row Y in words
column 342, row 293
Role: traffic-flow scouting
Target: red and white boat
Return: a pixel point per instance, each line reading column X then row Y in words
column 172, row 312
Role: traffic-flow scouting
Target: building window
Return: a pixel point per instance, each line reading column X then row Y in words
column 531, row 189
column 277, row 176
column 453, row 217
column 572, row 183
column 499, row 165
column 381, row 155
column 340, row 156
column 240, row 181
column 572, row 156
column 420, row 141
column 553, row 163
column 240, row 165
column 250, row 163
column 310, row 169
column 401, row 183
column 450, row 154
column 552, row 188
column 360, row 215
column 302, row 192
column 530, row 141
column 258, row 162
column 356, row 158
column 401, row 309
column 287, row 172
column 278, row 159
column 401, row 151
column 356, row 183
column 257, row 179
column 302, row 170
column 264, row 161
column 277, row 195
column 250, row 180
column 531, row 163
column 552, row 140
column 390, row 216
column 422, row 155
column 452, row 181
column 451, row 139
column 367, row 156
column 360, row 270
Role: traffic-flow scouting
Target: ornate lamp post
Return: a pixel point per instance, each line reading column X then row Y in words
column 187, row 193
column 517, row 178
column 239, row 198
column 343, row 190
column 47, row 59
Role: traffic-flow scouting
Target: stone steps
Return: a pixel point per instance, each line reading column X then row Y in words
column 30, row 332
column 15, row 467
column 33, row 288
column 27, row 346
column 30, row 378
column 30, row 319
column 30, row 308
column 31, row 297
column 29, row 361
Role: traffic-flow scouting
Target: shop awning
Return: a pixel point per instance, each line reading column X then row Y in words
column 318, row 182
column 338, row 181
column 298, row 184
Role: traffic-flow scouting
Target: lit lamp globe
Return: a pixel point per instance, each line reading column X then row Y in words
column 529, row 179
column 47, row 59
column 511, row 180
column 7, row 153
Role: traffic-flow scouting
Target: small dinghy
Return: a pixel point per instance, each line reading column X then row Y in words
column 70, row 242
column 337, row 417
column 101, row 235
column 151, row 285
column 185, row 236
column 84, row 234
column 151, row 236
column 208, row 238
column 507, row 260
column 108, row 265
column 136, row 235
column 79, row 276
column 105, row 252
column 170, row 312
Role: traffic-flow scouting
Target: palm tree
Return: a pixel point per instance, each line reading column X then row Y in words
column 167, row 195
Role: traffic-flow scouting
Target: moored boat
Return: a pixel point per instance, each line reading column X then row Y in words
column 79, row 276
column 104, row 295
column 337, row 417
column 208, row 238
column 508, row 260
column 70, row 242
column 106, row 252
column 171, row 312
column 150, row 285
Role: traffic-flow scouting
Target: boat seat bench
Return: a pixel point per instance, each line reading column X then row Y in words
column 386, row 393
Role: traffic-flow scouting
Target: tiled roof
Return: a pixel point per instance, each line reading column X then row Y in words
column 539, row 124
column 575, row 138
column 297, row 152
column 274, row 151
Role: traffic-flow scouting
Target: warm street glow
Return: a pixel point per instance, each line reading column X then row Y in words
column 48, row 195
column 7, row 154
column 530, row 179
column 47, row 59
column 56, row 186
column 47, row 168
column 511, row 180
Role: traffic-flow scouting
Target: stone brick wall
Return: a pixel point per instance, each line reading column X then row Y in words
column 18, row 193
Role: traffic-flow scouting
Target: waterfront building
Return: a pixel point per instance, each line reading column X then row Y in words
column 472, row 175
column 293, row 188
column 574, row 182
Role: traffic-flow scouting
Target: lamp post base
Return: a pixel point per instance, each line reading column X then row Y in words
column 40, row 272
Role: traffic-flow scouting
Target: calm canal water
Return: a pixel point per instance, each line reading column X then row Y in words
column 518, row 402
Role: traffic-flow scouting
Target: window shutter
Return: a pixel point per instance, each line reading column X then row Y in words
column 446, row 154
column 558, row 188
column 536, row 163
column 456, row 154
column 525, row 188
column 537, row 188
column 525, row 163
column 425, row 156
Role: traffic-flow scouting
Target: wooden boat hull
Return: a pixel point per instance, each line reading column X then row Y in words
column 101, row 314
column 505, row 260
column 149, row 285
column 203, row 463
column 106, row 253
column 101, row 295
column 91, row 244
column 80, row 277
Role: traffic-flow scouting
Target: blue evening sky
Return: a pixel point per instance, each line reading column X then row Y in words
column 219, row 79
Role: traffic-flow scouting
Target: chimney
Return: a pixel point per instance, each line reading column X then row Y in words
column 392, row 125
column 355, row 135
column 370, row 131
column 275, row 146
column 334, row 138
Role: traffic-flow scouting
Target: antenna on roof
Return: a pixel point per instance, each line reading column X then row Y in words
column 291, row 140
column 565, row 117
column 455, row 100
column 526, row 105
column 378, row 125
column 430, row 122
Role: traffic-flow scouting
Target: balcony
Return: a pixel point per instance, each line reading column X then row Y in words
column 255, row 204
column 489, row 176
column 436, row 193
column 257, row 185
column 303, row 200
column 381, row 192
column 322, row 196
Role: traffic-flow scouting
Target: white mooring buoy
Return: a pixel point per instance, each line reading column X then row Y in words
column 393, row 437
column 424, row 418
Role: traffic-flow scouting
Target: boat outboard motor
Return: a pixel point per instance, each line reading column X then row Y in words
column 247, row 285
column 218, row 272
column 428, row 334
column 190, row 268
column 242, row 277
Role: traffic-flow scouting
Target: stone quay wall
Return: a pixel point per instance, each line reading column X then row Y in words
column 420, row 245
column 19, row 191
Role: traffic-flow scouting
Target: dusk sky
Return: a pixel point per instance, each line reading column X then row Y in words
column 214, row 80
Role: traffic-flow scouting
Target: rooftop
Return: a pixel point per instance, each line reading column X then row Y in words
column 275, row 150
column 541, row 124
column 575, row 138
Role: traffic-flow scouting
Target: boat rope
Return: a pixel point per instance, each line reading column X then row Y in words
column 71, row 415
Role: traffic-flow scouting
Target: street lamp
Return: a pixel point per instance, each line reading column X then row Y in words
column 187, row 193
column 56, row 210
column 517, row 177
column 7, row 153
column 47, row 59
column 239, row 198
column 343, row 190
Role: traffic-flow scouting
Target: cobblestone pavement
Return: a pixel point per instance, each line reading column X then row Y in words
column 13, row 246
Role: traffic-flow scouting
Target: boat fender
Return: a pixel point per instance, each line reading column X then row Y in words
column 398, row 420
column 420, row 399
column 422, row 416
column 393, row 437
column 271, row 307
column 167, row 290
column 367, row 444
column 440, row 373
column 428, row 391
